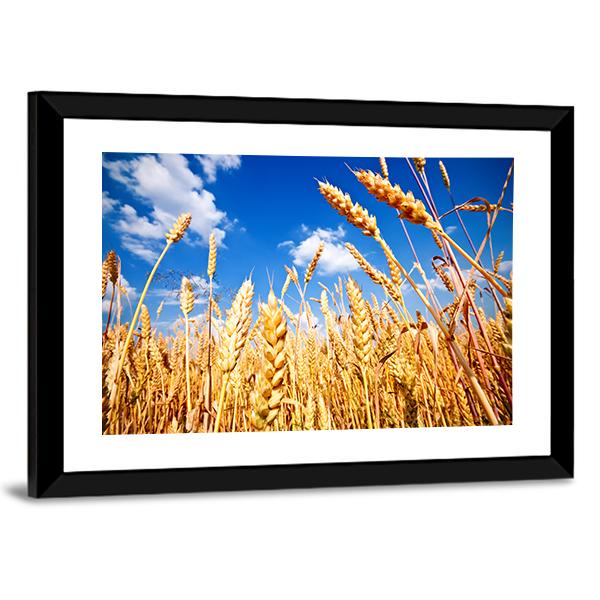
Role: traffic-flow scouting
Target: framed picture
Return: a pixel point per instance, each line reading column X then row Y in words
column 250, row 293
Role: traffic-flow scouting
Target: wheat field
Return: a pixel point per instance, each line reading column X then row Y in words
column 257, row 365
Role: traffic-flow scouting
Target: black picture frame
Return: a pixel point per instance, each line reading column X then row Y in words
column 47, row 112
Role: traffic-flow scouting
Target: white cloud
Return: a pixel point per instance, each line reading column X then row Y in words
column 117, row 169
column 506, row 266
column 168, row 187
column 315, row 322
column 211, row 162
column 451, row 229
column 130, row 223
column 435, row 284
column 141, row 248
column 108, row 203
column 335, row 257
column 201, row 283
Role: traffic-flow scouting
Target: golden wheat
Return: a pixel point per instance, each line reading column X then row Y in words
column 367, row 363
column 271, row 385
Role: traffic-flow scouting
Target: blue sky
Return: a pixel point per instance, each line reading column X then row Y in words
column 267, row 212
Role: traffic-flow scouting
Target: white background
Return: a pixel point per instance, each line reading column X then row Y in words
column 87, row 449
column 531, row 539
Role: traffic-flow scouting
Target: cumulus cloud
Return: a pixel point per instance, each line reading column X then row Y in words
column 316, row 322
column 132, row 224
column 108, row 203
column 435, row 284
column 212, row 162
column 201, row 283
column 506, row 266
column 335, row 257
column 168, row 187
column 141, row 248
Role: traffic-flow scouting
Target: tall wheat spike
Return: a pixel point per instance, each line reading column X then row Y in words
column 173, row 236
column 445, row 177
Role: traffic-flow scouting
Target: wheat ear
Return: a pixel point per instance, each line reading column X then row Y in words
column 444, row 174
column 313, row 263
column 146, row 323
column 384, row 168
column 111, row 266
column 377, row 276
column 104, row 277
column 361, row 337
column 408, row 207
column 419, row 164
column 353, row 212
column 274, row 364
column 233, row 338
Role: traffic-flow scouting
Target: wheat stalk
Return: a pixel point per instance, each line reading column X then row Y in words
column 186, row 303
column 210, row 270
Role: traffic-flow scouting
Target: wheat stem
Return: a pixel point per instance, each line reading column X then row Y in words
column 116, row 383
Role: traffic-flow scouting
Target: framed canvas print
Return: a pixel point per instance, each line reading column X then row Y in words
column 251, row 293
